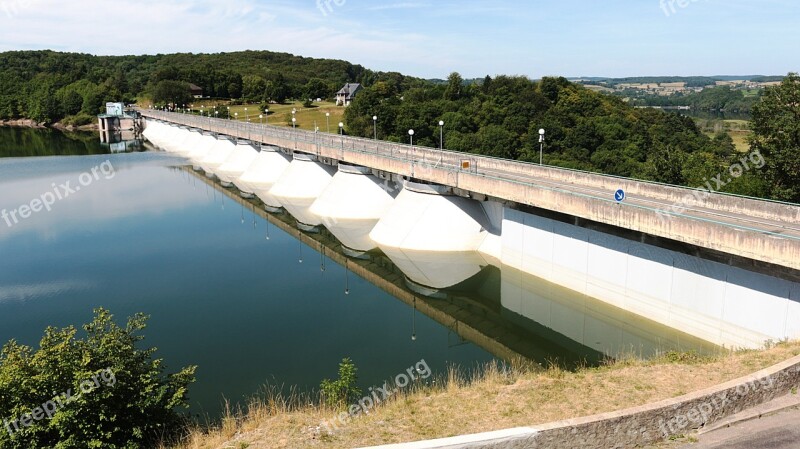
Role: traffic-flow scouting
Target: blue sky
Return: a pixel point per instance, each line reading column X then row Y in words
column 433, row 38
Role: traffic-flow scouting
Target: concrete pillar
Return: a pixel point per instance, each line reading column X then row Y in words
column 300, row 185
column 190, row 143
column 427, row 218
column 207, row 143
column 263, row 173
column 436, row 270
column 352, row 205
column 175, row 139
column 218, row 155
column 237, row 163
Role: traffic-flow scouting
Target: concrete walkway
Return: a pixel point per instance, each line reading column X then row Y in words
column 772, row 425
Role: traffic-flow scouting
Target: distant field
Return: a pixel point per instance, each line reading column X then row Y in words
column 281, row 115
column 739, row 130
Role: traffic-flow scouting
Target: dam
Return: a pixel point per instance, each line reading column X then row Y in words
column 724, row 271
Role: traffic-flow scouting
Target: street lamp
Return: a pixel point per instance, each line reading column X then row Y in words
column 266, row 114
column 236, row 115
column 441, row 140
column 294, row 122
column 341, row 133
column 541, row 145
column 260, row 119
column 411, row 134
column 328, row 121
column 246, row 115
column 375, row 125
column 229, row 112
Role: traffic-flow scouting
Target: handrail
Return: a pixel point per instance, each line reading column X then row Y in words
column 454, row 157
column 442, row 159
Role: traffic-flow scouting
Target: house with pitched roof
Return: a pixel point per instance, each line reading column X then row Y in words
column 346, row 95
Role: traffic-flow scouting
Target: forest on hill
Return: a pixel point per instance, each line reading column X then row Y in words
column 49, row 86
column 585, row 130
column 498, row 116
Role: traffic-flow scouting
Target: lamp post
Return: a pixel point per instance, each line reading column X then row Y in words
column 328, row 121
column 411, row 135
column 246, row 115
column 229, row 112
column 266, row 114
column 294, row 122
column 441, row 140
column 236, row 116
column 260, row 119
column 375, row 125
column 541, row 145
column 341, row 134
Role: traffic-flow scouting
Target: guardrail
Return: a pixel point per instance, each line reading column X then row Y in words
column 737, row 224
column 444, row 159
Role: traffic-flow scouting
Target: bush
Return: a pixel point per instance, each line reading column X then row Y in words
column 342, row 391
column 78, row 120
column 99, row 391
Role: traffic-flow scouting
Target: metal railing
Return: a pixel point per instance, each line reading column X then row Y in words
column 415, row 155
column 451, row 162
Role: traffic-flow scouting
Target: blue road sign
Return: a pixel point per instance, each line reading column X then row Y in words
column 619, row 196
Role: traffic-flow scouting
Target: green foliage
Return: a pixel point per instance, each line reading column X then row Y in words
column 79, row 119
column 41, row 84
column 776, row 134
column 172, row 92
column 342, row 391
column 136, row 409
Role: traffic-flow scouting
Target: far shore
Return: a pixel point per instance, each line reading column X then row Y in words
column 28, row 123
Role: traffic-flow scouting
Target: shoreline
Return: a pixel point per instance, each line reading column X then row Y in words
column 509, row 398
column 32, row 124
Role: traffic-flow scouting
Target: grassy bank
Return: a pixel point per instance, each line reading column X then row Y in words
column 498, row 398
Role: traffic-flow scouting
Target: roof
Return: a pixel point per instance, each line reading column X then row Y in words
column 194, row 87
column 349, row 89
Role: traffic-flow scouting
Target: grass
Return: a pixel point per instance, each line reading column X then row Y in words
column 281, row 114
column 498, row 397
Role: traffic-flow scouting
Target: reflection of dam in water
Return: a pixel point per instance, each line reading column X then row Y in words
column 561, row 291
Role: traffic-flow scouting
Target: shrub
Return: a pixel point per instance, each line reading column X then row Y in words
column 98, row 391
column 342, row 391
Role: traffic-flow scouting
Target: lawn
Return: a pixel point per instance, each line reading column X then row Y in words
column 281, row 115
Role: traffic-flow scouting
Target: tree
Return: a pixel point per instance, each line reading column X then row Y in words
column 316, row 88
column 253, row 88
column 170, row 91
column 776, row 135
column 277, row 89
column 99, row 391
column 455, row 86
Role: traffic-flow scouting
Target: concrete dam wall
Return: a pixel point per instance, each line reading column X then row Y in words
column 440, row 237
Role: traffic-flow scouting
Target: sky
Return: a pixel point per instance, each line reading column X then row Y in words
column 430, row 39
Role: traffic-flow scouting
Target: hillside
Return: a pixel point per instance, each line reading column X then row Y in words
column 47, row 86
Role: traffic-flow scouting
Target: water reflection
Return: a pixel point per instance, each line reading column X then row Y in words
column 507, row 312
column 27, row 142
